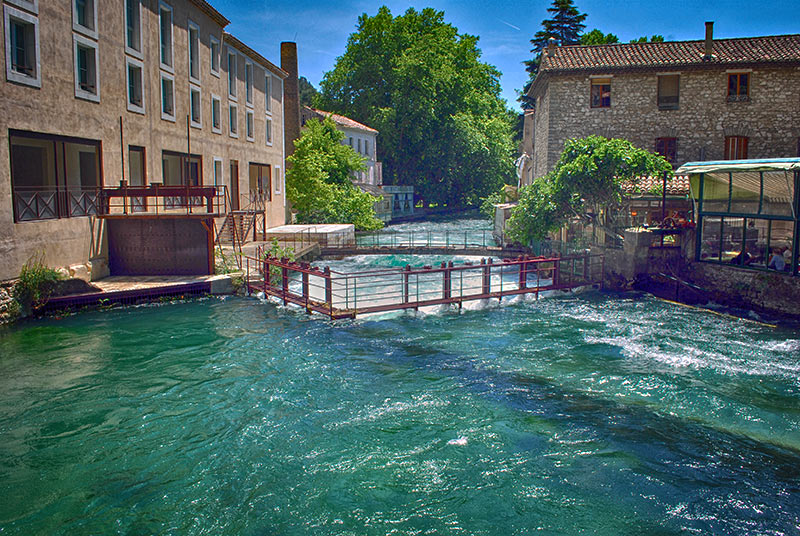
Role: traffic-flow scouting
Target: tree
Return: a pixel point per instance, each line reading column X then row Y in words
column 654, row 39
column 588, row 175
column 596, row 37
column 318, row 182
column 306, row 91
column 443, row 127
column 565, row 27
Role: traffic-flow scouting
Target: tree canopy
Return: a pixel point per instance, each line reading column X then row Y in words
column 318, row 182
column 565, row 27
column 443, row 127
column 653, row 39
column 596, row 37
column 306, row 91
column 588, row 175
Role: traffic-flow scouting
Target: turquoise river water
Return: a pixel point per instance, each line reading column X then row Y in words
column 588, row 413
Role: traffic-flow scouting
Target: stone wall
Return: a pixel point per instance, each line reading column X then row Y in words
column 771, row 119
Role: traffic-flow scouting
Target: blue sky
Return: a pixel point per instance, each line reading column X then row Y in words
column 321, row 28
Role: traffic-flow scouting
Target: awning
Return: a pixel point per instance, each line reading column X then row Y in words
column 729, row 166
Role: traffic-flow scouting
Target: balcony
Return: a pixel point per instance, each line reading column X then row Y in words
column 154, row 200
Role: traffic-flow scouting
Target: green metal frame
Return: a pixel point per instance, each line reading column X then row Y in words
column 701, row 214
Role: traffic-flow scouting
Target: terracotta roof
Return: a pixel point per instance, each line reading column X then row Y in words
column 253, row 55
column 341, row 120
column 678, row 185
column 774, row 49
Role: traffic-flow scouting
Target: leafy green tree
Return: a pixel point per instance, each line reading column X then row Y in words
column 587, row 178
column 653, row 39
column 596, row 37
column 318, row 183
column 443, row 127
column 306, row 91
column 565, row 27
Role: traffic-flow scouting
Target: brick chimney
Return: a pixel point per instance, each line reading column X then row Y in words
column 291, row 96
column 709, row 41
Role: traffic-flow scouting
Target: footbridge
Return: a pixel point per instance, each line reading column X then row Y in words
column 347, row 295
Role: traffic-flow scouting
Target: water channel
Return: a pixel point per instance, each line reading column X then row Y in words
column 589, row 413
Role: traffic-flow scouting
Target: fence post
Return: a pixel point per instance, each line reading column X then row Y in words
column 328, row 289
column 556, row 266
column 523, row 273
column 487, row 276
column 446, row 280
column 284, row 280
column 305, row 290
column 406, row 271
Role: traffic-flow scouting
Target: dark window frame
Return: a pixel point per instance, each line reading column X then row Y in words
column 668, row 148
column 736, row 147
column 737, row 82
column 600, row 93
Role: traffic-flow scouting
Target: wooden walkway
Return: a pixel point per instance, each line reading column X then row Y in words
column 347, row 295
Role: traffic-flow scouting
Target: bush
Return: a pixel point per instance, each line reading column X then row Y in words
column 35, row 284
column 276, row 251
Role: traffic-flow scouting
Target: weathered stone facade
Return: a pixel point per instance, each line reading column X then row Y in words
column 56, row 108
column 769, row 117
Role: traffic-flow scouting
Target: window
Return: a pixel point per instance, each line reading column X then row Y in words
column 167, row 98
column 231, row 74
column 86, row 76
column 22, row 47
column 216, row 121
column 165, row 35
column 261, row 181
column 249, row 127
column 667, row 147
column 269, row 131
column 133, row 27
column 214, row 55
column 53, row 177
column 137, row 175
column 248, row 82
column 366, row 147
column 358, row 143
column 268, row 93
column 218, row 172
column 195, row 107
column 135, row 86
column 600, row 96
column 194, row 52
column 735, row 147
column 84, row 17
column 233, row 112
column 668, row 85
column 278, row 180
column 738, row 87
column 350, row 141
column 182, row 169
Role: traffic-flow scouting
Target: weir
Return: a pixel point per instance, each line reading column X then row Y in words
column 347, row 295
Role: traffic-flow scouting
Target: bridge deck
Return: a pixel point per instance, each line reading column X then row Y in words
column 346, row 295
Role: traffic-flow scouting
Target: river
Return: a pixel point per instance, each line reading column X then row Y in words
column 589, row 413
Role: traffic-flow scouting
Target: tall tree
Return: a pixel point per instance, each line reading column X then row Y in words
column 318, row 182
column 443, row 127
column 307, row 91
column 565, row 27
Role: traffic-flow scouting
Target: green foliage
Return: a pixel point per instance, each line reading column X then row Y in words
column 306, row 91
column 443, row 127
column 596, row 37
column 276, row 251
column 35, row 284
column 588, row 175
column 487, row 206
column 224, row 263
column 319, row 184
column 654, row 39
column 565, row 27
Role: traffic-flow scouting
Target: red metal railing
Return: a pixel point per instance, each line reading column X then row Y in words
column 158, row 200
column 346, row 295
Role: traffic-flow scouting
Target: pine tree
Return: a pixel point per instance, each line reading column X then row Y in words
column 565, row 27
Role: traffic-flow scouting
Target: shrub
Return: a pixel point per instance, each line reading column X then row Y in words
column 35, row 284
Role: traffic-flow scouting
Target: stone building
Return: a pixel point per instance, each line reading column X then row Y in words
column 688, row 100
column 141, row 91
